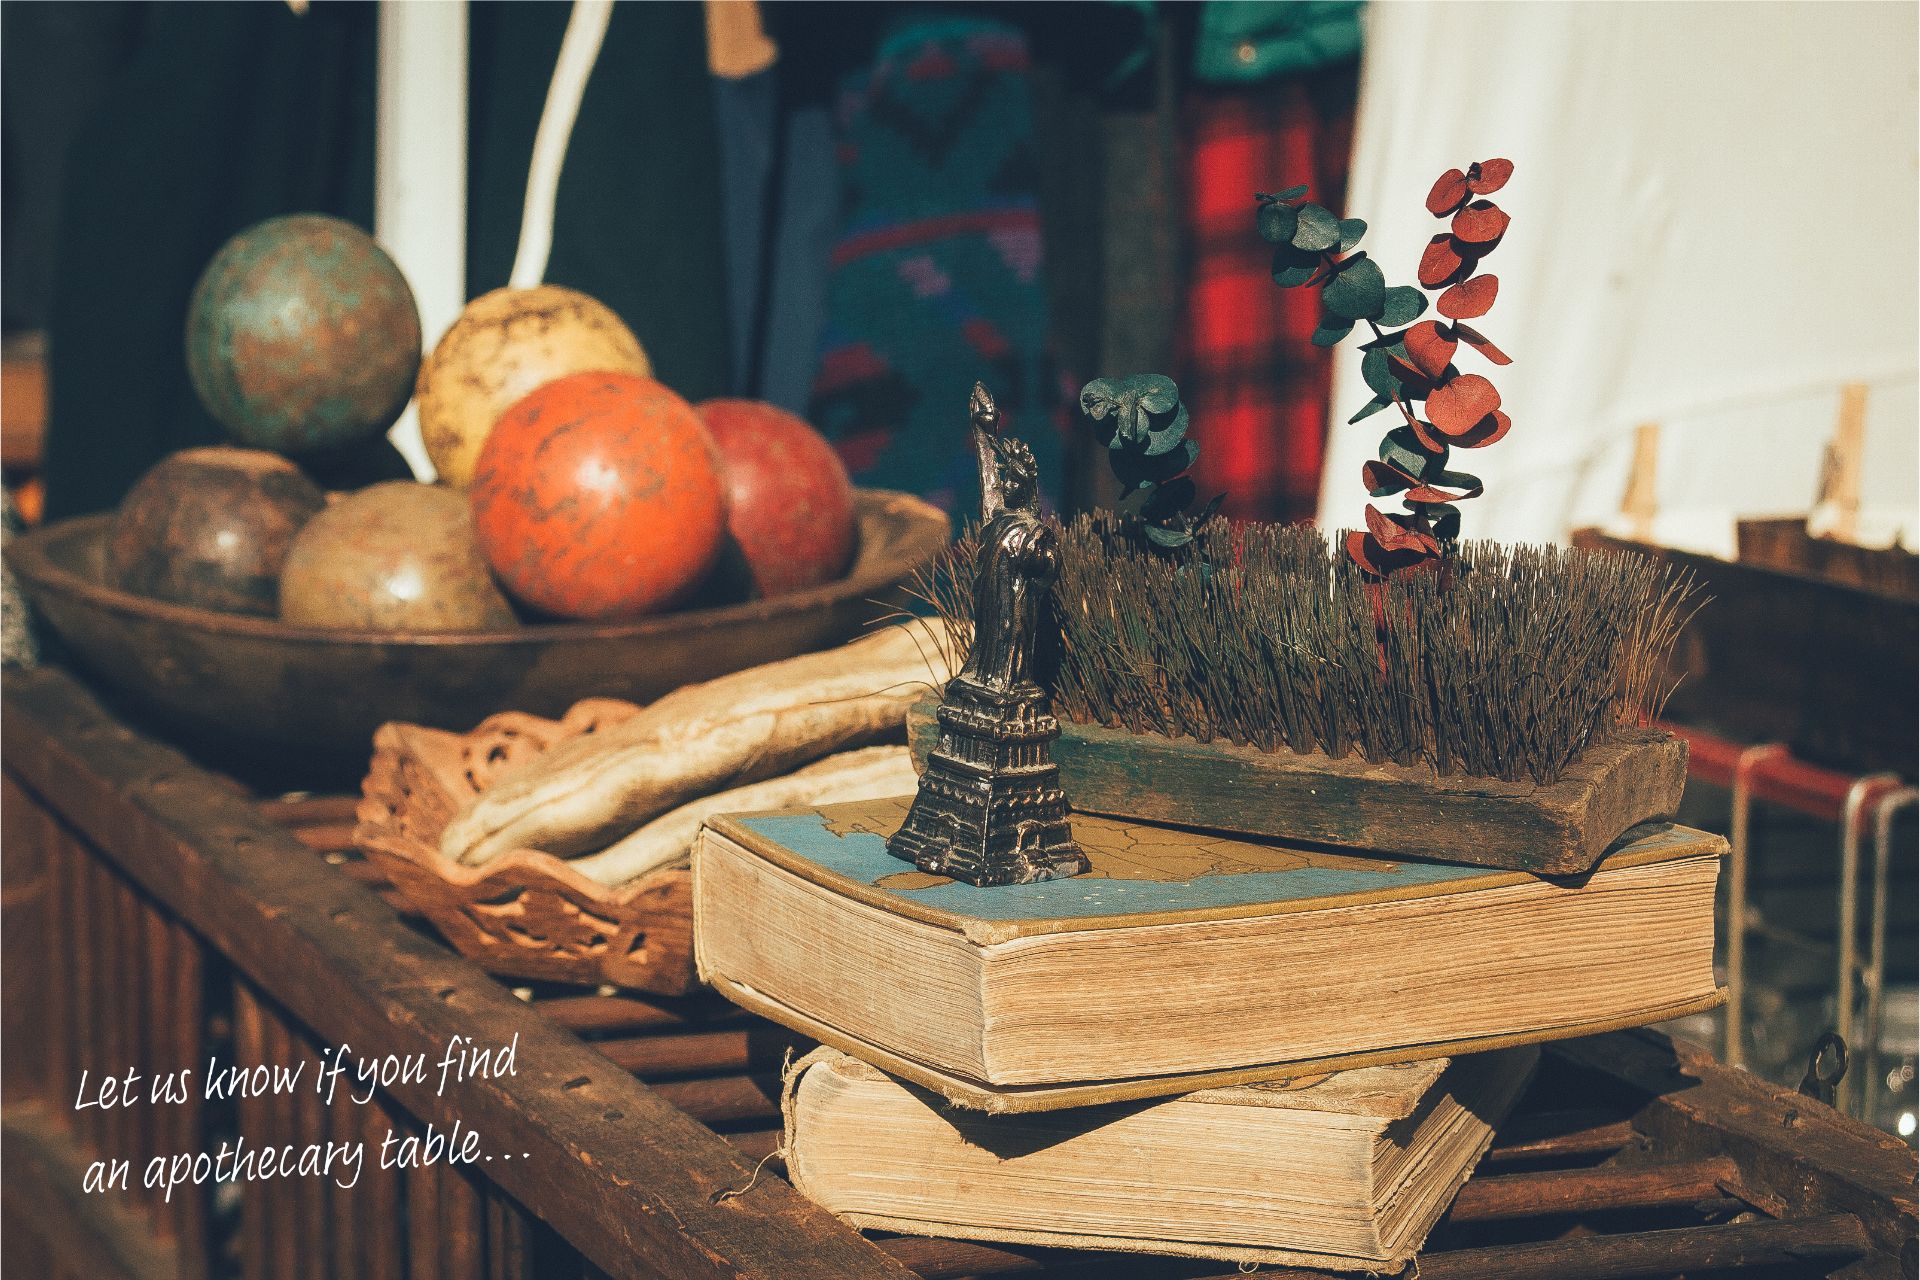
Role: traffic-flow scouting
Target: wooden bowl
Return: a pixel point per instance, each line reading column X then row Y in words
column 271, row 700
column 525, row 914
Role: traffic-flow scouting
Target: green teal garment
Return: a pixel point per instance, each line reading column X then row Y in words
column 1242, row 41
column 937, row 276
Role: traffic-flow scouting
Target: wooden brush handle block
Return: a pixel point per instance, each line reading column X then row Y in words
column 1409, row 811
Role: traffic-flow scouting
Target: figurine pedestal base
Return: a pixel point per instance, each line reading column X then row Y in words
column 990, row 809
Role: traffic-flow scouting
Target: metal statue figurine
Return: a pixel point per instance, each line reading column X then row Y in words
column 990, row 809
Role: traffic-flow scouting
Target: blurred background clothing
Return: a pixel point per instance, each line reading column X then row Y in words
column 1684, row 171
column 1248, row 369
column 936, row 271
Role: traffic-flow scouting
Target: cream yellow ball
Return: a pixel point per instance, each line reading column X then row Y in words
column 504, row 345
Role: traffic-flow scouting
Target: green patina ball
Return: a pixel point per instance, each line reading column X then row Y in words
column 303, row 335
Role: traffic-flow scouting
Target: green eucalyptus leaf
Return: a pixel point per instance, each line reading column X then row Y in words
column 1134, row 467
column 1099, row 398
column 1331, row 331
column 1465, row 481
column 1155, row 392
column 1169, row 499
column 1140, row 412
column 1276, row 222
column 1351, row 229
column 1403, row 305
column 1359, row 292
column 1161, row 438
column 1291, row 193
column 1373, row 406
column 1168, row 537
column 1317, row 231
column 1401, row 448
column 1373, row 367
column 1293, row 267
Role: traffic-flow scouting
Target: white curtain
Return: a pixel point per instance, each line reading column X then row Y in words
column 1714, row 228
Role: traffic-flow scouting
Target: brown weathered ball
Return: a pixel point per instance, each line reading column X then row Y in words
column 211, row 528
column 505, row 345
column 397, row 556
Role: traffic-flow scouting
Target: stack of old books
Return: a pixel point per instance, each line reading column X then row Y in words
column 1208, row 1046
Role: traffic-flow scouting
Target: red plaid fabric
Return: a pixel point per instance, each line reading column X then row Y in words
column 1254, row 383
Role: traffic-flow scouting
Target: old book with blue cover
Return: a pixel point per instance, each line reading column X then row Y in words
column 1185, row 960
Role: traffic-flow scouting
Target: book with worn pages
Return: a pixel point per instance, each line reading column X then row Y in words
column 1347, row 1171
column 1185, row 960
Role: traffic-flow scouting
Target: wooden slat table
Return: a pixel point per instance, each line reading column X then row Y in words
column 156, row 915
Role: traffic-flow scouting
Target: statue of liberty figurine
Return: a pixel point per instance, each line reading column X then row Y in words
column 990, row 809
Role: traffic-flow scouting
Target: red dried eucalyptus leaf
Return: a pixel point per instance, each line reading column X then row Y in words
column 1414, row 382
column 1449, row 193
column 1431, row 348
column 1378, row 524
column 1459, row 405
column 1383, row 479
column 1488, row 430
column 1380, row 561
column 1460, row 487
column 1427, row 493
column 1488, row 176
column 1469, row 298
column 1359, row 551
column 1480, row 223
column 1414, row 566
column 1430, row 440
column 1439, row 263
column 1481, row 343
column 1396, row 533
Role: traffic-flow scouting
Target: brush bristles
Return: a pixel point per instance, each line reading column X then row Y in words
column 1507, row 665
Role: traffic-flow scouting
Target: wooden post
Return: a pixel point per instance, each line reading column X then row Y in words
column 1641, row 501
column 1836, row 513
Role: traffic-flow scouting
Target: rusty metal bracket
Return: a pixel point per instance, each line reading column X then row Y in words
column 1733, row 1049
column 1890, row 803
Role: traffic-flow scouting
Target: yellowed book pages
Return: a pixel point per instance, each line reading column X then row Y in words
column 1261, row 961
column 1348, row 1171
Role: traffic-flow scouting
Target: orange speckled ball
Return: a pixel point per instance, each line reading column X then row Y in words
column 599, row 495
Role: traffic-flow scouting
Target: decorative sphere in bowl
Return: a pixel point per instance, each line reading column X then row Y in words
column 302, row 335
column 397, row 556
column 504, row 345
column 599, row 495
column 211, row 528
column 789, row 501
